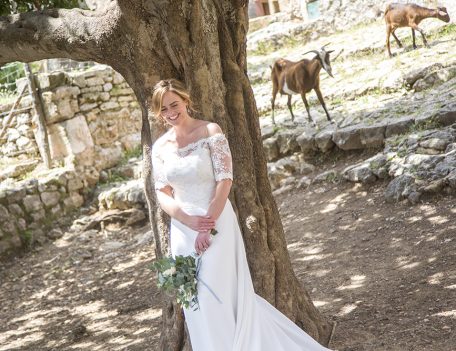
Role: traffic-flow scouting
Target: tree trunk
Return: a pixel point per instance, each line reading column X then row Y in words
column 202, row 43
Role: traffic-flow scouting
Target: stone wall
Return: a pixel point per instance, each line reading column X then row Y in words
column 30, row 209
column 92, row 118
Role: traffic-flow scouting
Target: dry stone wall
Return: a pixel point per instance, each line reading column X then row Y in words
column 92, row 118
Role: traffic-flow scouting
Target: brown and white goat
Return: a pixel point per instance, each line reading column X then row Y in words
column 409, row 15
column 300, row 77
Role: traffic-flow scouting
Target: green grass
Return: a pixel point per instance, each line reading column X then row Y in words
column 113, row 177
column 445, row 30
column 128, row 154
column 27, row 238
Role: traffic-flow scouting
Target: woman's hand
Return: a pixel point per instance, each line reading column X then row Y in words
column 202, row 242
column 199, row 223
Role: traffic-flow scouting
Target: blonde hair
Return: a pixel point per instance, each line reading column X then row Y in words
column 172, row 85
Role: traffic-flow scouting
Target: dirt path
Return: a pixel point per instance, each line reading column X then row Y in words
column 386, row 273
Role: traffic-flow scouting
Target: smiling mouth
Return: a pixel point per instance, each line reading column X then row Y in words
column 173, row 118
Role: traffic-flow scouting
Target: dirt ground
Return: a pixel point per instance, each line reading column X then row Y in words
column 385, row 272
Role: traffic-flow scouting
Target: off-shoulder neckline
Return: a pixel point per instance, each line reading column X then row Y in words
column 196, row 142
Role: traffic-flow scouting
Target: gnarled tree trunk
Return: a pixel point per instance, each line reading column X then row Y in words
column 202, row 43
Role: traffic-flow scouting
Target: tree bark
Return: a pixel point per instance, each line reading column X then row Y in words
column 202, row 43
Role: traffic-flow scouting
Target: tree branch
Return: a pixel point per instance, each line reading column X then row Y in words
column 58, row 33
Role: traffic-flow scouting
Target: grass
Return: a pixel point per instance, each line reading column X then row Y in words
column 7, row 97
column 136, row 152
column 113, row 177
column 445, row 30
column 27, row 238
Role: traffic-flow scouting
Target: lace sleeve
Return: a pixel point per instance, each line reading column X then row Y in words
column 221, row 157
column 158, row 171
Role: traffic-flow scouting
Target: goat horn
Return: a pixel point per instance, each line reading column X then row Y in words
column 315, row 51
column 325, row 45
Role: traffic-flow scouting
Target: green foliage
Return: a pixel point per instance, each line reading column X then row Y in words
column 18, row 6
column 178, row 277
column 113, row 177
column 27, row 238
column 136, row 152
column 447, row 30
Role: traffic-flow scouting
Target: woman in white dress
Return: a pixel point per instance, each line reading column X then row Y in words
column 193, row 176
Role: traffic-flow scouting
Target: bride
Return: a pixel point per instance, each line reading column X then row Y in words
column 193, row 176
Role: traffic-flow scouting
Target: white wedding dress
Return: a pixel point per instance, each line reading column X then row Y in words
column 231, row 317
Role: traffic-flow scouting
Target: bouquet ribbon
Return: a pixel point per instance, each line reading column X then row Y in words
column 198, row 266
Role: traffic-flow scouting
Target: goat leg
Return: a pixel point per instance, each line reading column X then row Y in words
column 272, row 103
column 322, row 102
column 413, row 37
column 388, row 33
column 307, row 108
column 397, row 40
column 289, row 107
column 424, row 38
column 415, row 27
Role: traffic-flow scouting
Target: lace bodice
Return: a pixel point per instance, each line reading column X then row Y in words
column 192, row 171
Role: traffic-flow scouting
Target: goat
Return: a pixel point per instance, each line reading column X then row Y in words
column 300, row 77
column 409, row 15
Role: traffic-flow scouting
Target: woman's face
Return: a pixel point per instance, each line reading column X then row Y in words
column 174, row 108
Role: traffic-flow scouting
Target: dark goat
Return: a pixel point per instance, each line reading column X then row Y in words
column 300, row 77
column 409, row 15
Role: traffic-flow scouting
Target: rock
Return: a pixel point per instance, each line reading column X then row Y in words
column 271, row 149
column 324, row 141
column 131, row 141
column 94, row 81
column 76, row 199
column 287, row 143
column 348, row 138
column 434, row 187
column 435, row 143
column 54, row 234
column 32, row 203
column 19, row 169
column 143, row 239
column 372, row 136
column 360, row 173
column 4, row 214
column 38, row 215
column 400, row 188
column 306, row 142
column 15, row 195
column 451, row 179
column 50, row 198
column 437, row 77
column 413, row 76
column 399, row 126
column 126, row 196
column 304, row 182
column 75, row 184
column 328, row 176
column 50, row 81
column 15, row 209
column 446, row 116
column 22, row 142
column 107, row 87
column 268, row 131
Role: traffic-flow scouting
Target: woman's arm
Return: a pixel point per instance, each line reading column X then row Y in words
column 218, row 202
column 171, row 207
